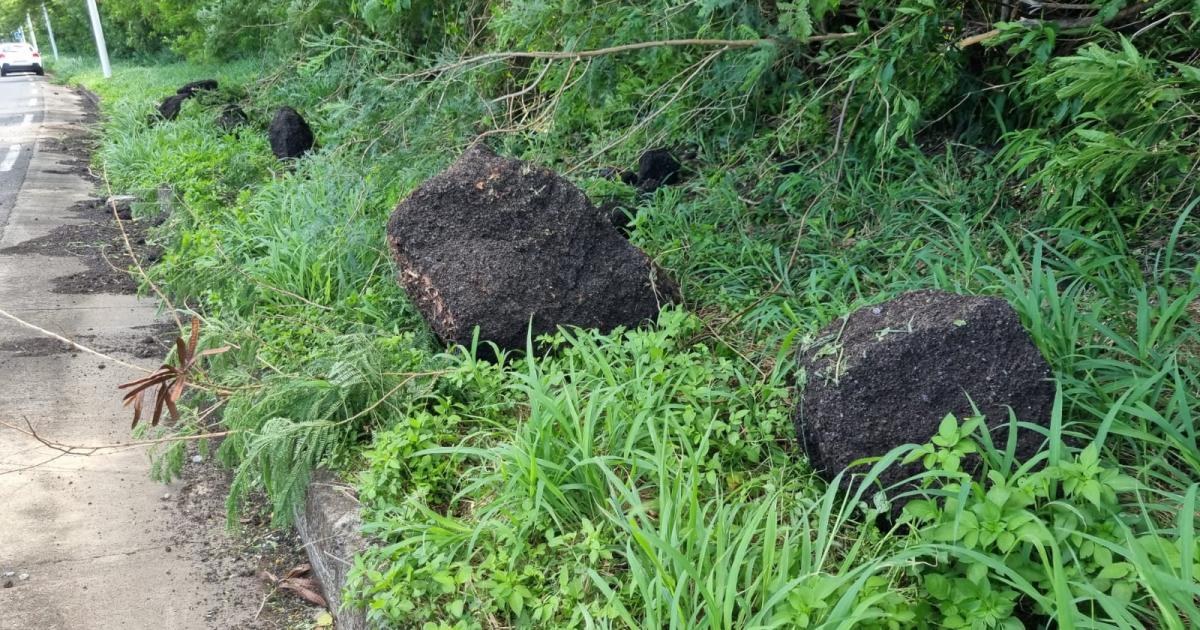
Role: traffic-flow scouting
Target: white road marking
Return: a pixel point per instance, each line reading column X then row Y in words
column 11, row 159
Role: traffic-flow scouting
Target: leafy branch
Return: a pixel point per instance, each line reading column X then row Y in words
column 170, row 379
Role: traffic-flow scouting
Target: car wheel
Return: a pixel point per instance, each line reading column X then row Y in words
column 4, row 72
column 41, row 72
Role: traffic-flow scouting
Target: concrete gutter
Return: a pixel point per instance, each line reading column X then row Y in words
column 329, row 526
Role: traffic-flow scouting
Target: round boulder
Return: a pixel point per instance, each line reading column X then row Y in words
column 888, row 374
column 502, row 244
column 290, row 135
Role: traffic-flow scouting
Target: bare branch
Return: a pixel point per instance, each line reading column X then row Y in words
column 88, row 450
column 1079, row 22
column 611, row 50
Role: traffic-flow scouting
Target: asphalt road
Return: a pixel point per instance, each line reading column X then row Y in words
column 21, row 110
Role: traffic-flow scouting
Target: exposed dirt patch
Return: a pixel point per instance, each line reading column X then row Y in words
column 98, row 244
column 237, row 562
column 35, row 347
column 143, row 342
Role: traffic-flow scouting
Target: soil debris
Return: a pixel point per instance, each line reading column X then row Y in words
column 497, row 243
column 290, row 135
column 888, row 374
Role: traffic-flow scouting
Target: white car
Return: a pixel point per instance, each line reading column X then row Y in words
column 18, row 57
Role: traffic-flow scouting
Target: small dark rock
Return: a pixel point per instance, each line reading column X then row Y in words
column 290, row 136
column 169, row 109
column 196, row 86
column 887, row 375
column 232, row 117
column 493, row 242
column 8, row 584
column 657, row 168
column 629, row 178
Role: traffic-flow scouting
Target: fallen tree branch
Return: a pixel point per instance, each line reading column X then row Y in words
column 88, row 450
column 611, row 50
column 1080, row 22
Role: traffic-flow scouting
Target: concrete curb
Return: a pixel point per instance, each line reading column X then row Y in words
column 329, row 527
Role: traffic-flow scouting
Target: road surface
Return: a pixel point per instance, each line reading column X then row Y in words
column 85, row 541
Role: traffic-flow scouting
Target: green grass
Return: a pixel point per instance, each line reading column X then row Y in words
column 648, row 479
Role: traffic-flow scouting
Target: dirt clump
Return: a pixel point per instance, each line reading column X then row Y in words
column 99, row 244
column 203, row 85
column 888, row 374
column 232, row 116
column 170, row 107
column 290, row 135
column 657, row 168
column 499, row 243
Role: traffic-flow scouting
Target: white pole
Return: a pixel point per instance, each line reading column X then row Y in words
column 50, row 31
column 32, row 33
column 101, row 47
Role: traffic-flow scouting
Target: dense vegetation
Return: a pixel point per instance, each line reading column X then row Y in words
column 844, row 152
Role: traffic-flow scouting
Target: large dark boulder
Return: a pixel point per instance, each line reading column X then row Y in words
column 169, row 108
column 290, row 136
column 190, row 89
column 495, row 243
column 887, row 375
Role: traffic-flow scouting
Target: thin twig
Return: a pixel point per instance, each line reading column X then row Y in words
column 611, row 50
column 132, row 256
column 88, row 450
column 393, row 390
column 1064, row 24
column 73, row 344
column 528, row 88
column 655, row 114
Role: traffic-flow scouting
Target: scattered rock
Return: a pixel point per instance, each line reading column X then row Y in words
column 197, row 459
column 8, row 574
column 8, row 584
column 495, row 242
column 656, row 168
column 196, row 86
column 290, row 136
column 169, row 109
column 23, row 577
column 232, row 117
column 166, row 496
column 888, row 374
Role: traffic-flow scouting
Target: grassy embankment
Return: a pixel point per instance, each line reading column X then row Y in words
column 647, row 478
